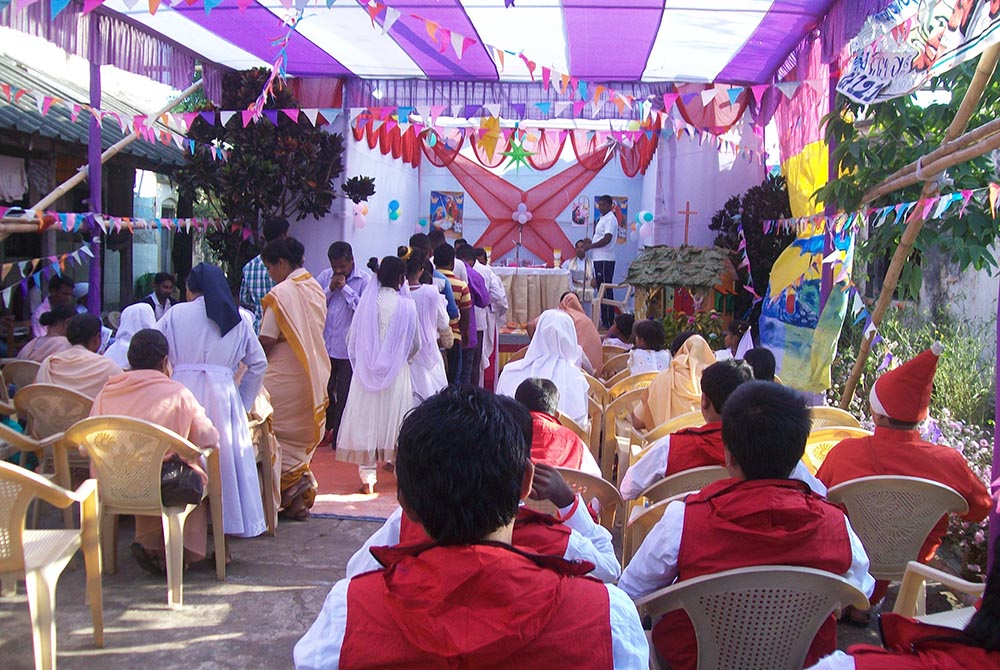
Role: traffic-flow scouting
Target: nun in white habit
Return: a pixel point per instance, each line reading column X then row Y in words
column 208, row 340
column 553, row 354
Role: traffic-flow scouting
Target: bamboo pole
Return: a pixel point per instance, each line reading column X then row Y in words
column 112, row 151
column 984, row 73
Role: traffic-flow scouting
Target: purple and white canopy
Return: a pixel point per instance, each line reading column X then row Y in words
column 734, row 41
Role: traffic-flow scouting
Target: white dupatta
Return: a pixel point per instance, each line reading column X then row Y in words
column 376, row 360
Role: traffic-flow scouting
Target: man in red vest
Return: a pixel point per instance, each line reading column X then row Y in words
column 913, row 645
column 758, row 517
column 899, row 402
column 571, row 534
column 469, row 598
column 552, row 442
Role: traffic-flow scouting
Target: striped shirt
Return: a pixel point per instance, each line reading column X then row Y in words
column 463, row 298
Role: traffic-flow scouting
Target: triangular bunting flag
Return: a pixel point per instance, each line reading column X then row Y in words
column 758, row 91
column 272, row 116
column 247, row 117
column 734, row 94
column 293, row 114
column 436, row 112
column 707, row 96
column 225, row 116
column 390, row 18
column 544, row 107
column 561, row 106
column 493, row 108
column 789, row 88
column 330, row 114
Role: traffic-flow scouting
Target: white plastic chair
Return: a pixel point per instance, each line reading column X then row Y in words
column 640, row 523
column 893, row 515
column 911, row 599
column 756, row 618
column 687, row 481
column 822, row 440
column 39, row 556
column 600, row 300
column 127, row 454
column 21, row 372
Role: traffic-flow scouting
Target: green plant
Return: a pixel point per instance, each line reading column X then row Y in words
column 359, row 189
column 283, row 169
column 870, row 143
column 767, row 200
column 707, row 324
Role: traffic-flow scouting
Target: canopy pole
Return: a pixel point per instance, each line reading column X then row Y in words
column 94, row 161
column 984, row 72
column 112, row 151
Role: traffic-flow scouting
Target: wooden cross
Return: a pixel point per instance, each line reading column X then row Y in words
column 687, row 212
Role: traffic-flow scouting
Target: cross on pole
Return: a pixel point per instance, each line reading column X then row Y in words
column 687, row 212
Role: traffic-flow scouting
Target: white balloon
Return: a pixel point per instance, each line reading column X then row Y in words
column 521, row 207
column 529, row 215
column 522, row 218
column 646, row 232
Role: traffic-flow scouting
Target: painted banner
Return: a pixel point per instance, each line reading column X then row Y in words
column 901, row 48
column 802, row 337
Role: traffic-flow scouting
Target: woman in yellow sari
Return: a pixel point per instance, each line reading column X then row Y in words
column 298, row 369
column 676, row 390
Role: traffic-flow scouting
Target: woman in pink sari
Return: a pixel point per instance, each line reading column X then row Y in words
column 54, row 341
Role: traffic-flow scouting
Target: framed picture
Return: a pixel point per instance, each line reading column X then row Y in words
column 446, row 211
column 580, row 212
column 620, row 209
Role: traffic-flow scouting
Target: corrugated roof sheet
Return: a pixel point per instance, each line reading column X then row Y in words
column 58, row 123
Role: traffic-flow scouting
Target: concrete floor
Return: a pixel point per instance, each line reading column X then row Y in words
column 274, row 589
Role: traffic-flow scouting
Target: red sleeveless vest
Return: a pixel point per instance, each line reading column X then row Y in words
column 735, row 524
column 534, row 533
column 553, row 443
column 484, row 606
column 695, row 448
column 911, row 644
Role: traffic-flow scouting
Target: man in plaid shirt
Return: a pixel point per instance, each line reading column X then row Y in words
column 256, row 282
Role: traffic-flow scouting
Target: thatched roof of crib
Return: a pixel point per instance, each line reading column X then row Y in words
column 678, row 267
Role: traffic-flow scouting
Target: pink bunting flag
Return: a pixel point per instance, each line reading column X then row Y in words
column 530, row 64
column 578, row 106
column 445, row 39
column 758, row 91
column 668, row 101
column 546, row 78
column 293, row 114
column 91, row 5
column 374, row 8
column 247, row 116
column 966, row 196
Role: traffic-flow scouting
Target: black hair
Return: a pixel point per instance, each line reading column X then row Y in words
column 161, row 277
column 288, row 248
column 466, row 253
column 461, row 242
column 420, row 241
column 481, row 255
column 340, row 250
column 444, row 256
column 59, row 281
column 82, row 328
column 583, row 240
column 737, row 327
column 719, row 380
column 470, row 448
column 605, row 200
column 391, row 271
column 680, row 339
column 436, row 237
column 57, row 315
column 984, row 627
column 415, row 266
column 147, row 349
column 274, row 228
column 538, row 395
column 762, row 361
column 372, row 264
column 624, row 323
column 652, row 334
column 765, row 427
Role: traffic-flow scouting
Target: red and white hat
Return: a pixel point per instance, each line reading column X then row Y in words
column 904, row 394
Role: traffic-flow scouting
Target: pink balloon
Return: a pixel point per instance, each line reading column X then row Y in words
column 359, row 220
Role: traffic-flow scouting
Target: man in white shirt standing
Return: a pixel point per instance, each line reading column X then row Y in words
column 604, row 252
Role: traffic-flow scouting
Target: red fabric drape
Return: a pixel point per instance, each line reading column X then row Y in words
column 445, row 149
column 359, row 129
column 498, row 198
column 411, row 147
column 592, row 149
column 546, row 148
column 715, row 117
column 503, row 144
column 635, row 159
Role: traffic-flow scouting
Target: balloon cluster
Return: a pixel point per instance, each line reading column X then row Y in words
column 422, row 225
column 521, row 214
column 644, row 220
column 393, row 210
column 360, row 212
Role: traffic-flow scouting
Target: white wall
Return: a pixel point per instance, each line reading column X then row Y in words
column 973, row 300
column 702, row 175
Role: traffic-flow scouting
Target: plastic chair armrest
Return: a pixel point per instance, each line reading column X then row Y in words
column 915, row 576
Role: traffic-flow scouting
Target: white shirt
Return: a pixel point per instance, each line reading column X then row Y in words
column 319, row 648
column 654, row 565
column 647, row 360
column 838, row 660
column 651, row 468
column 606, row 225
column 587, row 542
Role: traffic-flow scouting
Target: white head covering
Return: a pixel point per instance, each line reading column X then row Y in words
column 134, row 318
column 426, row 298
column 555, row 355
column 378, row 361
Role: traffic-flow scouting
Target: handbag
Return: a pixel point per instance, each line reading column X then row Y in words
column 180, row 485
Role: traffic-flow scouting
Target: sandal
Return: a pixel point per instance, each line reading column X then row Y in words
column 147, row 561
column 289, row 495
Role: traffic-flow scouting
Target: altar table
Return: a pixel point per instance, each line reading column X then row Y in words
column 531, row 291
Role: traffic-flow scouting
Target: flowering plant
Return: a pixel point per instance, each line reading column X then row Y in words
column 707, row 324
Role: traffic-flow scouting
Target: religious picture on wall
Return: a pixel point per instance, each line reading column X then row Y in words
column 446, row 211
column 620, row 209
column 581, row 212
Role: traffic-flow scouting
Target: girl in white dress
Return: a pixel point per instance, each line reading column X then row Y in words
column 427, row 372
column 208, row 339
column 381, row 342
column 649, row 354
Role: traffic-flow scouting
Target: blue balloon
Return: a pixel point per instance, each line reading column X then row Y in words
column 393, row 215
column 393, row 205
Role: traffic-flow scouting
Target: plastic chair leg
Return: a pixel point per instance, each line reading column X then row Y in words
column 41, row 588
column 95, row 596
column 109, row 541
column 173, row 540
column 8, row 587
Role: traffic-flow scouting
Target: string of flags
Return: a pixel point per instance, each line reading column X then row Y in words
column 927, row 208
column 37, row 269
column 70, row 222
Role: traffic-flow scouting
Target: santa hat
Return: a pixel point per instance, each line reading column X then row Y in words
column 904, row 394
